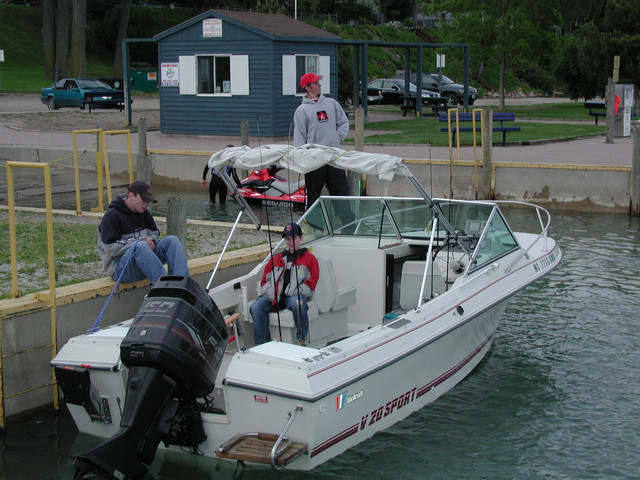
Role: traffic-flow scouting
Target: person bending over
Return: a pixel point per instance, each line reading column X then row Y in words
column 288, row 281
column 129, row 241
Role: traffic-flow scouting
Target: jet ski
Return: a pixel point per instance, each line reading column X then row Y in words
column 266, row 187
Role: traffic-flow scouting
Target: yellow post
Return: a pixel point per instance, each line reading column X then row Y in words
column 99, row 172
column 106, row 156
column 107, row 168
column 76, row 168
column 457, row 116
column 76, row 171
column 475, row 144
column 49, row 297
column 52, row 278
column 15, row 293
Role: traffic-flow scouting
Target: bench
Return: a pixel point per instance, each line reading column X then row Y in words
column 440, row 105
column 467, row 117
column 411, row 107
column 596, row 109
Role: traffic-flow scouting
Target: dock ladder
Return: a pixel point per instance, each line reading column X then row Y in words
column 264, row 448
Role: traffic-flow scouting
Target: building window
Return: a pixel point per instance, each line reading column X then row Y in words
column 214, row 74
column 207, row 75
column 306, row 64
column 294, row 66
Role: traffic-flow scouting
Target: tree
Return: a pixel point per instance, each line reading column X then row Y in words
column 122, row 33
column 62, row 39
column 501, row 34
column 585, row 60
column 49, row 37
column 79, row 39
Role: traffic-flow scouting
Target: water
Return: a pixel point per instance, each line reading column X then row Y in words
column 557, row 396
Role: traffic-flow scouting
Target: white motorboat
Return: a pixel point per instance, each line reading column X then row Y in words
column 410, row 295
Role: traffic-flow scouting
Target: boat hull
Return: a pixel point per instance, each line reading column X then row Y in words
column 353, row 413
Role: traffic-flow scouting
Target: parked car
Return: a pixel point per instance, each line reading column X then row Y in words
column 80, row 92
column 445, row 87
column 390, row 91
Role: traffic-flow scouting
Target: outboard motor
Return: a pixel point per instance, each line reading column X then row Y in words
column 173, row 350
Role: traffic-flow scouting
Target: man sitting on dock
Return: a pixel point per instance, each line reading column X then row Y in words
column 288, row 281
column 129, row 241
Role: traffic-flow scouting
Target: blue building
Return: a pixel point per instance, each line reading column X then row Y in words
column 223, row 67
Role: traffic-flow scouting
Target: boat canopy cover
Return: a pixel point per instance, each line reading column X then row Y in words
column 310, row 157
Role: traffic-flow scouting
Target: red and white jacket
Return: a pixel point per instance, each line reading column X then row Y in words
column 304, row 275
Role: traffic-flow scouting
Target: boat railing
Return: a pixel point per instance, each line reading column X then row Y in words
column 544, row 226
column 276, row 450
column 428, row 262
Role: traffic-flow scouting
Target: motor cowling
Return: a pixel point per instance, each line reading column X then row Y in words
column 173, row 350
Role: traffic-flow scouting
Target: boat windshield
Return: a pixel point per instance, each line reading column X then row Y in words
column 480, row 225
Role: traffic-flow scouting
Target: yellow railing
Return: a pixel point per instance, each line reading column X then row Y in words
column 102, row 158
column 49, row 297
column 455, row 112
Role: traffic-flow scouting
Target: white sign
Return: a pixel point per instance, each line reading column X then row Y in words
column 211, row 27
column 170, row 75
column 1, row 55
column 440, row 59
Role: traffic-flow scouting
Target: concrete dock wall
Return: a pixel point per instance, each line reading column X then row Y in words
column 571, row 187
column 26, row 333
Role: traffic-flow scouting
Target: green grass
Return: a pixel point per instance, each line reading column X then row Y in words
column 23, row 68
column 74, row 245
column 567, row 111
column 426, row 130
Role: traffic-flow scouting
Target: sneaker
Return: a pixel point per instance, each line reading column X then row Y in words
column 303, row 342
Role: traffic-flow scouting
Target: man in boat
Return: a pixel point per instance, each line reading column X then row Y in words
column 129, row 241
column 288, row 281
column 321, row 120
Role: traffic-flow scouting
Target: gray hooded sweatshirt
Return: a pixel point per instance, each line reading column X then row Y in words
column 322, row 122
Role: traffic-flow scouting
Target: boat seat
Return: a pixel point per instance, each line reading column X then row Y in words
column 411, row 282
column 328, row 309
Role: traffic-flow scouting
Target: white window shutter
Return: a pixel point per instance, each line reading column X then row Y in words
column 324, row 69
column 239, row 74
column 289, row 75
column 187, row 74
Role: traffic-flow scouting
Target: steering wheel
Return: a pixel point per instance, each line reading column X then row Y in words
column 450, row 242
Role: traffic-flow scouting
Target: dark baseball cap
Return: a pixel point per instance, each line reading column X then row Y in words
column 292, row 229
column 144, row 190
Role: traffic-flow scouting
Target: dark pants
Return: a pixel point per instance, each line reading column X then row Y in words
column 336, row 181
column 217, row 186
column 334, row 178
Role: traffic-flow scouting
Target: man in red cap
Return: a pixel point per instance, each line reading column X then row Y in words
column 320, row 120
